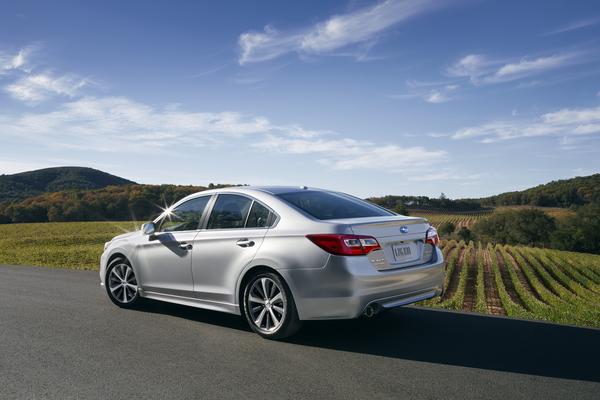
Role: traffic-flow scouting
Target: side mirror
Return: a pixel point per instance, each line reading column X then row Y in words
column 148, row 228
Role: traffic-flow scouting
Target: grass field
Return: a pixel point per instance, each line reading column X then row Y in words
column 516, row 281
column 75, row 245
column 466, row 219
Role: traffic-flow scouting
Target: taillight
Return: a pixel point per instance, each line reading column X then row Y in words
column 345, row 245
column 432, row 237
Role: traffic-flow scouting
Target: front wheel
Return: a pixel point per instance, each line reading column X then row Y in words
column 269, row 307
column 121, row 283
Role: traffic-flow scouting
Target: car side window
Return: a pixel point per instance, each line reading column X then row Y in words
column 184, row 217
column 230, row 211
column 259, row 217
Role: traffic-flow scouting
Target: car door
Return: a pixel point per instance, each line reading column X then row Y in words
column 165, row 257
column 234, row 231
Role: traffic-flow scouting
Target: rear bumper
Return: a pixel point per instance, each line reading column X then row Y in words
column 347, row 285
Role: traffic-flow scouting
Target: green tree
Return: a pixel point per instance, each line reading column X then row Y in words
column 465, row 234
column 580, row 232
column 446, row 229
column 401, row 209
column 528, row 226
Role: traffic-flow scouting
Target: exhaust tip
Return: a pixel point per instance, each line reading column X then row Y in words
column 370, row 311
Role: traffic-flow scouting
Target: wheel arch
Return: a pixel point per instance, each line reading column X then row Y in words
column 115, row 255
column 249, row 273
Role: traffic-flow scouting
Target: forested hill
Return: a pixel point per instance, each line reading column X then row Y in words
column 112, row 203
column 32, row 183
column 562, row 193
column 401, row 204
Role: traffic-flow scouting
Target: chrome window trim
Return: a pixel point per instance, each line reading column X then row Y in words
column 211, row 204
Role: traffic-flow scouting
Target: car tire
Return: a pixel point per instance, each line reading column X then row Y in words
column 121, row 283
column 269, row 308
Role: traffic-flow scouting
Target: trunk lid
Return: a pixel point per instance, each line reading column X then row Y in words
column 402, row 240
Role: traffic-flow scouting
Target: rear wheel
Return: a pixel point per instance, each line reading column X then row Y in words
column 269, row 307
column 121, row 283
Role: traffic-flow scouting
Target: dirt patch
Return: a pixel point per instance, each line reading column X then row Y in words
column 453, row 282
column 492, row 298
column 536, row 273
column 522, row 277
column 447, row 249
column 571, row 272
column 471, row 285
column 550, row 272
column 508, row 283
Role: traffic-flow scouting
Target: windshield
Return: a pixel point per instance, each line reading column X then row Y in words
column 329, row 205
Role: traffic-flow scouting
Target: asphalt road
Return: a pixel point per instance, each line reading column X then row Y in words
column 61, row 338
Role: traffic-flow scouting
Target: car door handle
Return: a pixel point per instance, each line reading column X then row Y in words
column 185, row 246
column 245, row 243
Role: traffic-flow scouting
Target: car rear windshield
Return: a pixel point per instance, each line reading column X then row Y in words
column 329, row 205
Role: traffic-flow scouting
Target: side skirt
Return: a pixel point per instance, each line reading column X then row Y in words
column 193, row 302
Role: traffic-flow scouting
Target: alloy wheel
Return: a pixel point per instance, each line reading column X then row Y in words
column 266, row 304
column 122, row 283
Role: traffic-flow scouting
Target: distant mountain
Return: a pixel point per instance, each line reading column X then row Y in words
column 562, row 193
column 32, row 183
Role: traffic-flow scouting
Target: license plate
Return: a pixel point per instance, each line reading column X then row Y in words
column 403, row 252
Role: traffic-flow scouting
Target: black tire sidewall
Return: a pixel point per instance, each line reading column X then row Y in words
column 291, row 321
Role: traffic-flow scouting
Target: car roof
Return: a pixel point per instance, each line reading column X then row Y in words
column 282, row 189
column 266, row 189
column 273, row 190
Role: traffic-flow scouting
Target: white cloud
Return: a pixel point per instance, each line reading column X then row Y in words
column 351, row 154
column 565, row 122
column 531, row 66
column 337, row 32
column 18, row 61
column 472, row 66
column 435, row 96
column 35, row 88
column 116, row 124
column 574, row 26
column 481, row 70
column 427, row 91
column 266, row 45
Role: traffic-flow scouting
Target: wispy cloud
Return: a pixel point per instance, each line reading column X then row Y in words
column 116, row 124
column 575, row 25
column 119, row 124
column 26, row 84
column 437, row 96
column 567, row 122
column 208, row 71
column 351, row 154
column 17, row 61
column 32, row 89
column 531, row 66
column 430, row 92
column 482, row 70
column 335, row 33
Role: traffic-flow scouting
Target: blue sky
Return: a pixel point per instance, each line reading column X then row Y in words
column 419, row 97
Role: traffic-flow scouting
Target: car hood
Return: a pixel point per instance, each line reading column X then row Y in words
column 125, row 236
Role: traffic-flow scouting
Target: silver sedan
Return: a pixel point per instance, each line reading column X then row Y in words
column 276, row 256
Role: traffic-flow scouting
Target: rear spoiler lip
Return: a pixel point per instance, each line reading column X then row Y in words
column 411, row 221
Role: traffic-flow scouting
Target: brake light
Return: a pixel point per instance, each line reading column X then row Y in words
column 432, row 237
column 345, row 245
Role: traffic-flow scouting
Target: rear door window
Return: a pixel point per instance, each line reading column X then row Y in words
column 259, row 217
column 229, row 212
